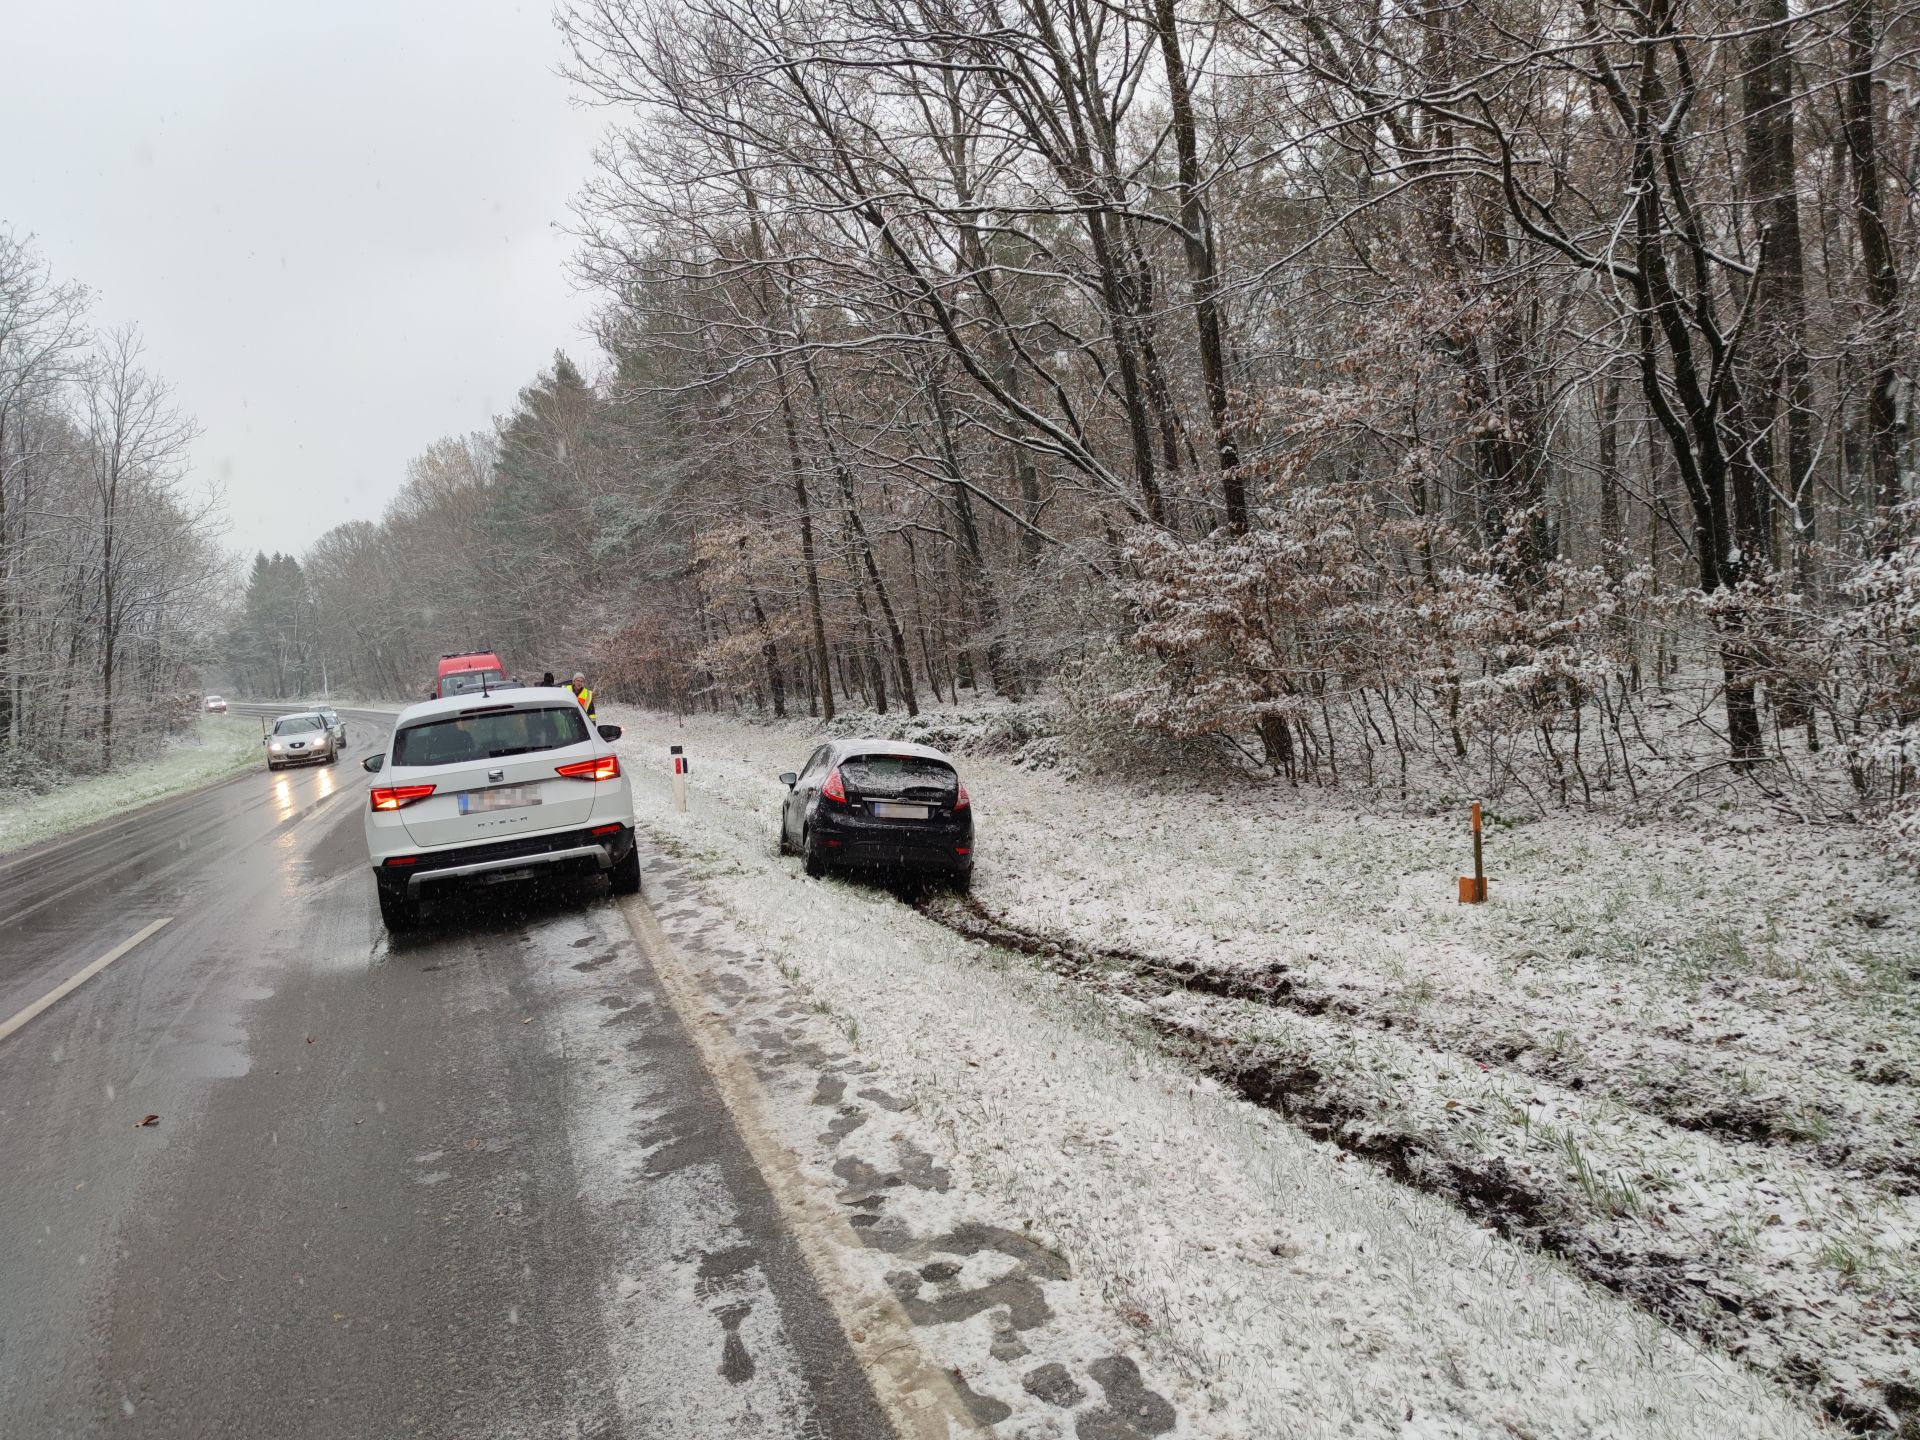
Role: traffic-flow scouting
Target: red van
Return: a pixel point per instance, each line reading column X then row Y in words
column 467, row 670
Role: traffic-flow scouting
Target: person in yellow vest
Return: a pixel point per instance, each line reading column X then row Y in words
column 583, row 693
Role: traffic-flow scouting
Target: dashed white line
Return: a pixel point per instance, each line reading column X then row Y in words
column 74, row 982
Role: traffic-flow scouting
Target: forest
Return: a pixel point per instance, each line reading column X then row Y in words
column 1517, row 391
column 111, row 569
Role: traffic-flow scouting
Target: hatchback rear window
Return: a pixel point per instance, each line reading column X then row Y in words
column 489, row 736
column 897, row 775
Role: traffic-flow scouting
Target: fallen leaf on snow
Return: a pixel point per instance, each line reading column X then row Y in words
column 150, row 1120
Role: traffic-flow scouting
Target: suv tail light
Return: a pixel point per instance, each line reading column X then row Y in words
column 607, row 767
column 961, row 802
column 833, row 790
column 398, row 797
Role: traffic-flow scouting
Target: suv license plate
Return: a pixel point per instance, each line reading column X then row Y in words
column 886, row 810
column 501, row 797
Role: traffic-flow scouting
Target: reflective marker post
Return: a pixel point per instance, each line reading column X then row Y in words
column 1473, row 888
column 679, row 776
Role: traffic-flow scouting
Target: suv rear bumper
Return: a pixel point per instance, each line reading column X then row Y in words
column 558, row 853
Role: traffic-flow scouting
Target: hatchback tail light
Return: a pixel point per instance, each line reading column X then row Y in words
column 834, row 790
column 398, row 797
column 607, row 767
column 961, row 802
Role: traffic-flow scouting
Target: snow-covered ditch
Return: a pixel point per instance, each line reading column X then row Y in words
column 1299, row 1289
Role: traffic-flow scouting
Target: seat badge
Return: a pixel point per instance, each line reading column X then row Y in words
column 496, row 774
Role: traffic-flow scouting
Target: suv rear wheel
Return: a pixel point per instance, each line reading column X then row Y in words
column 399, row 910
column 625, row 874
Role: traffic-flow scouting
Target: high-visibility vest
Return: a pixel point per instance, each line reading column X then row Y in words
column 585, row 697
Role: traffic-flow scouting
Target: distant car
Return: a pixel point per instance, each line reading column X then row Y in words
column 335, row 724
column 478, row 791
column 216, row 705
column 880, row 805
column 300, row 739
column 467, row 672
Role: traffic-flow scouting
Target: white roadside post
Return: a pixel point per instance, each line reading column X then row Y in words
column 679, row 776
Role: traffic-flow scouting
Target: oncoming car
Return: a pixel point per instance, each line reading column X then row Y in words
column 298, row 739
column 881, row 805
column 474, row 790
column 216, row 705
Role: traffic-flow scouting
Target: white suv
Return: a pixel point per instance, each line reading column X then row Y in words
column 482, row 789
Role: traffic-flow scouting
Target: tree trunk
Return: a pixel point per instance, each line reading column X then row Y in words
column 1197, row 239
column 1778, row 372
column 769, row 651
column 863, row 546
column 808, row 561
column 1613, row 553
column 1859, row 123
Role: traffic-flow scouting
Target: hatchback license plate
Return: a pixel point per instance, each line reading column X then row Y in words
column 885, row 810
column 501, row 797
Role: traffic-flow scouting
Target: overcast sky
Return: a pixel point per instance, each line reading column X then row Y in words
column 334, row 223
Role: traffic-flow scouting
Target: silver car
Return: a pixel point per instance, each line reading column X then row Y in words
column 299, row 740
column 335, row 724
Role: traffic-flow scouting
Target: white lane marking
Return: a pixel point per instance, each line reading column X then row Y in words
column 73, row 983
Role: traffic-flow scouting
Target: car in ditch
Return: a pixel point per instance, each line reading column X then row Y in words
column 475, row 791
column 879, row 805
column 304, row 738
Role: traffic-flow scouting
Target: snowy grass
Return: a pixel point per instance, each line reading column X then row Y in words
column 1308, row 1294
column 1635, row 1009
column 217, row 746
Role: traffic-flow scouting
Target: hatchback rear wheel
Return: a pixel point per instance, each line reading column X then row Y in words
column 815, row 862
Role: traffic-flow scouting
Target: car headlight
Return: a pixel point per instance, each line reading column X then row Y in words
column 274, row 745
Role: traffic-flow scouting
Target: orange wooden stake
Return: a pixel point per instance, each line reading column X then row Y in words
column 1473, row 888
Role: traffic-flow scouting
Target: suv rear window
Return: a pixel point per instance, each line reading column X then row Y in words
column 898, row 775
column 490, row 736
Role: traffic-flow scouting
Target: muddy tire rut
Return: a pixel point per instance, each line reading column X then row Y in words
column 1724, row 1116
column 1689, row 1292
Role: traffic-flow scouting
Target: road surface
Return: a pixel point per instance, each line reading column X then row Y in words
column 392, row 1190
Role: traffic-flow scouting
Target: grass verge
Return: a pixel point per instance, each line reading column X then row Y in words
column 216, row 747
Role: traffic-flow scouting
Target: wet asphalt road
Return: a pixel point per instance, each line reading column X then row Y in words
column 432, row 1189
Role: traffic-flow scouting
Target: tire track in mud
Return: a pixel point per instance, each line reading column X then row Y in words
column 1691, row 1293
column 1274, row 985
